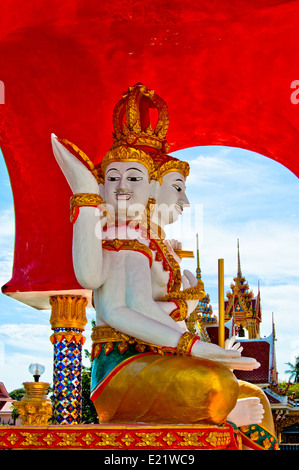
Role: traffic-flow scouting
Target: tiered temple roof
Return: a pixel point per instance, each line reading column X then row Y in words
column 242, row 306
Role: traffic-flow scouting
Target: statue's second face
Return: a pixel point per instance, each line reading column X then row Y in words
column 127, row 188
column 171, row 198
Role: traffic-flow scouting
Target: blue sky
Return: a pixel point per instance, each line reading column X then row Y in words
column 234, row 194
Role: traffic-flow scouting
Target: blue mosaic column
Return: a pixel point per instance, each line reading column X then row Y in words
column 68, row 319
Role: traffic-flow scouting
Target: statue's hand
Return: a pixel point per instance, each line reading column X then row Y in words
column 80, row 179
column 229, row 344
column 189, row 280
column 230, row 358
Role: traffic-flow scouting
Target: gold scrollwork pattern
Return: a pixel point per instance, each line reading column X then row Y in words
column 68, row 311
column 120, row 437
column 192, row 293
column 109, row 336
column 81, row 200
column 185, row 343
column 124, row 153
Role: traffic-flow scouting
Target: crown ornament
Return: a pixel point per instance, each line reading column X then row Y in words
column 136, row 139
column 132, row 119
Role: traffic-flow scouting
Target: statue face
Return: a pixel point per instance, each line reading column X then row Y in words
column 127, row 188
column 171, row 198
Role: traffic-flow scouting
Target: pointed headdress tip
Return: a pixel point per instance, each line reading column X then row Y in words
column 138, row 137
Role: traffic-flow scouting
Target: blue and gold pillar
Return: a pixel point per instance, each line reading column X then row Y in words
column 68, row 319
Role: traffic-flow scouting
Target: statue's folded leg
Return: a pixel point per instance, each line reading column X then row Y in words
column 153, row 388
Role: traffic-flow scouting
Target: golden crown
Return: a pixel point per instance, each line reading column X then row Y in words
column 132, row 119
column 134, row 137
column 166, row 163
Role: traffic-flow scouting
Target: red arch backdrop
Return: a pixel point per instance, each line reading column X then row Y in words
column 225, row 69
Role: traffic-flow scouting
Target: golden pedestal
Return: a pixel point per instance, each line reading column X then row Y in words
column 35, row 408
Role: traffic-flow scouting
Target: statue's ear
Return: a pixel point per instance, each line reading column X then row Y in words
column 154, row 188
column 102, row 190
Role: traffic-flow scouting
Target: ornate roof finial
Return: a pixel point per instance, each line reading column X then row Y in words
column 198, row 270
column 239, row 275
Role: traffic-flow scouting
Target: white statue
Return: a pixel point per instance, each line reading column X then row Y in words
column 126, row 274
column 147, row 366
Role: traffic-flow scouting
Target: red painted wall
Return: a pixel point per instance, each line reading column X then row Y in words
column 224, row 68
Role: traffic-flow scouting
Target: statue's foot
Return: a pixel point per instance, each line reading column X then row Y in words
column 247, row 411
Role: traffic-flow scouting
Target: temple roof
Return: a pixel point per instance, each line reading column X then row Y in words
column 241, row 305
column 260, row 349
column 4, row 396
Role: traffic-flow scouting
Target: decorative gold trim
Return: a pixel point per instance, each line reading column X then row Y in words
column 108, row 335
column 35, row 408
column 132, row 131
column 123, row 153
column 185, row 344
column 83, row 199
column 181, row 312
column 134, row 245
column 68, row 311
column 174, row 165
column 175, row 283
column 69, row 336
column 119, row 437
column 184, row 253
column 81, row 154
column 192, row 293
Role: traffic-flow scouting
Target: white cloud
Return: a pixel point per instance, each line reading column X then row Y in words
column 30, row 337
column 6, row 262
column 24, row 343
column 14, row 368
column 7, row 224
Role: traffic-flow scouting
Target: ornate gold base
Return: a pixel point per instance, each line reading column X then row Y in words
column 120, row 437
column 35, row 408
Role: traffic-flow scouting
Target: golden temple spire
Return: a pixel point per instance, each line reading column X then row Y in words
column 198, row 270
column 239, row 275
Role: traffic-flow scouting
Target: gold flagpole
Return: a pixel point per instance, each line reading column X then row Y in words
column 221, row 303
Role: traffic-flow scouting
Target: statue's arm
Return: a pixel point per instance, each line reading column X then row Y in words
column 87, row 249
column 128, row 306
column 87, row 244
column 127, row 303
